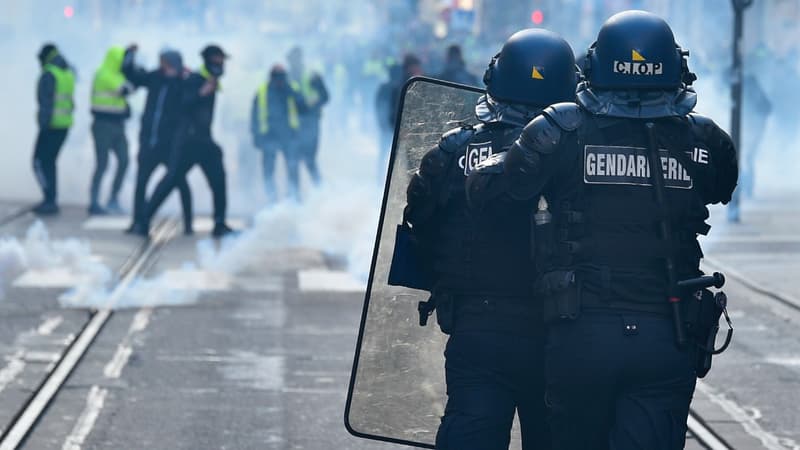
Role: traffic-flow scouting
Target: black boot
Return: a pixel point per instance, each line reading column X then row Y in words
column 221, row 229
column 46, row 208
column 139, row 229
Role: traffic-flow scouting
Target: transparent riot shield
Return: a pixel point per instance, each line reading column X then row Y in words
column 397, row 390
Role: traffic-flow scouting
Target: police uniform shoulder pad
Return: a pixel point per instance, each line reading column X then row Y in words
column 701, row 121
column 568, row 116
column 705, row 129
column 541, row 135
column 493, row 164
column 455, row 139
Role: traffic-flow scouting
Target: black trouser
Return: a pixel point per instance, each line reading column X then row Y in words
column 308, row 143
column 193, row 150
column 616, row 380
column 45, row 153
column 270, row 146
column 494, row 368
column 148, row 160
column 109, row 135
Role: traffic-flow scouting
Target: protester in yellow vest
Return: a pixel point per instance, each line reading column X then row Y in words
column 275, row 127
column 110, row 111
column 54, row 93
column 316, row 96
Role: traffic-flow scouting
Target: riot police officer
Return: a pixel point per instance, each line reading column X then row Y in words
column 619, row 369
column 481, row 283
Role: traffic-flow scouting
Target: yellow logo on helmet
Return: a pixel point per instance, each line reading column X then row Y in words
column 636, row 56
column 536, row 74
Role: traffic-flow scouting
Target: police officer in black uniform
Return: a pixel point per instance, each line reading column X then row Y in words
column 482, row 288
column 620, row 372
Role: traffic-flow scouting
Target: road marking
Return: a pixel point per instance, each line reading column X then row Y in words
column 328, row 280
column 49, row 325
column 113, row 368
column 54, row 277
column 704, row 435
column 112, row 223
column 85, row 423
column 26, row 420
column 140, row 320
column 15, row 366
column 747, row 418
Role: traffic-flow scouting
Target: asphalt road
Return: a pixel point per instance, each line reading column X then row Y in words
column 259, row 356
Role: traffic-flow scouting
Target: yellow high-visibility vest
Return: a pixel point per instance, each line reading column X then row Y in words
column 108, row 82
column 63, row 104
column 263, row 109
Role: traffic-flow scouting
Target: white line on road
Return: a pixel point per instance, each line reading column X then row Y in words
column 49, row 325
column 705, row 435
column 59, row 375
column 748, row 419
column 85, row 423
column 15, row 365
column 113, row 368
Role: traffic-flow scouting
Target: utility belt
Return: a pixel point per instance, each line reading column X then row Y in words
column 564, row 298
column 490, row 313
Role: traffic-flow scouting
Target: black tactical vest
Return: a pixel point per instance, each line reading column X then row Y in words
column 605, row 216
column 480, row 254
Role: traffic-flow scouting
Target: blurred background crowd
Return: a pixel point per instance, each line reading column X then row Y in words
column 364, row 50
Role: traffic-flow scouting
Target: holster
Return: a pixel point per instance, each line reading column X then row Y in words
column 442, row 303
column 702, row 312
column 560, row 292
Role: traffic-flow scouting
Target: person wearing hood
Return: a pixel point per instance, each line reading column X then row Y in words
column 54, row 93
column 315, row 96
column 455, row 69
column 193, row 143
column 481, row 269
column 110, row 111
column 162, row 111
column 275, row 126
column 621, row 360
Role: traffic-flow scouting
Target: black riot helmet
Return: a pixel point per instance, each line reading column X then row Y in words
column 636, row 50
column 535, row 67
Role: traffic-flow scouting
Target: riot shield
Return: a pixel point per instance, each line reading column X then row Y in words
column 397, row 390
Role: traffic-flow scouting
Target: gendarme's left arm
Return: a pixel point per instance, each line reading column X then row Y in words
column 530, row 164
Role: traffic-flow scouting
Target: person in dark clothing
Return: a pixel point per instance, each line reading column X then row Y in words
column 383, row 115
column 159, row 120
column 54, row 93
column 193, row 143
column 275, row 125
column 455, row 69
column 110, row 111
column 481, row 265
column 412, row 67
column 315, row 94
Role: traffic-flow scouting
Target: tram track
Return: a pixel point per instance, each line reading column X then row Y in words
column 138, row 263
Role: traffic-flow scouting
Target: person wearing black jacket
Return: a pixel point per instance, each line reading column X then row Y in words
column 193, row 143
column 161, row 113
column 54, row 94
column 455, row 69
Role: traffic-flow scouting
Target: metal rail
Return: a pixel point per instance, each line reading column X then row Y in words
column 25, row 420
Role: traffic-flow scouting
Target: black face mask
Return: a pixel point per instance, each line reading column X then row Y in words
column 215, row 70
